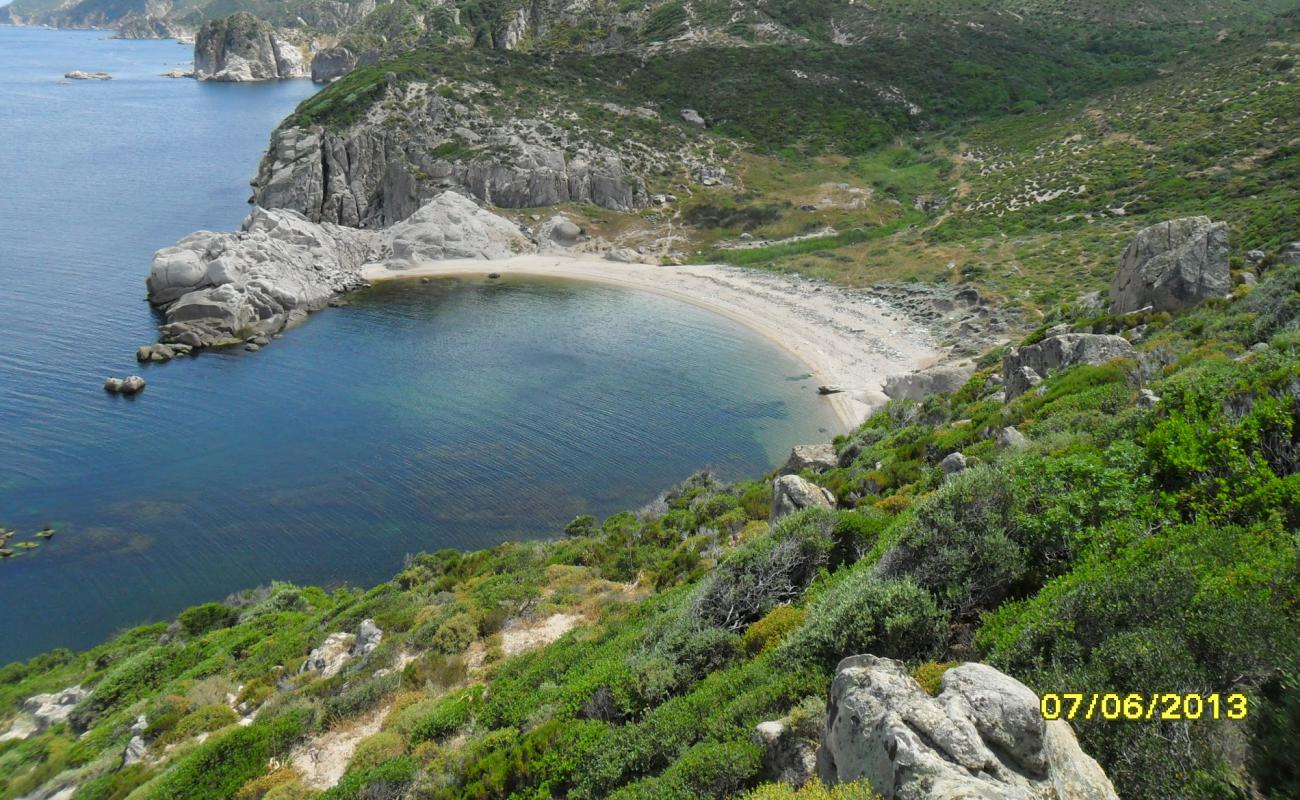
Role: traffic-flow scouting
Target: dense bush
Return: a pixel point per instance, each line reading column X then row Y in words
column 207, row 617
column 865, row 614
column 220, row 767
column 767, row 572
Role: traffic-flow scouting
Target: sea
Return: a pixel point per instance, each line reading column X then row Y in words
column 459, row 413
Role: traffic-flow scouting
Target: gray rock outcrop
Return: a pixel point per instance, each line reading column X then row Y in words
column 220, row 287
column 983, row 736
column 1173, row 265
column 245, row 287
column 40, row 712
column 368, row 638
column 1022, row 364
column 953, row 463
column 135, row 748
column 790, row 493
column 330, row 656
column 787, row 758
column 242, row 47
column 79, row 75
column 939, row 379
column 818, row 457
column 381, row 169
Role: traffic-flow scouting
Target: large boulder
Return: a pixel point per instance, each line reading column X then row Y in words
column 1021, row 365
column 242, row 47
column 983, row 736
column 939, row 379
column 1173, row 265
column 331, row 656
column 819, row 457
column 454, row 226
column 790, row 493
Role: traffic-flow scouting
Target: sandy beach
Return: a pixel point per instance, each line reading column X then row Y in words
column 848, row 338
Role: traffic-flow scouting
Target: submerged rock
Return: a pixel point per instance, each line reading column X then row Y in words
column 132, row 384
column 983, row 736
column 1172, row 266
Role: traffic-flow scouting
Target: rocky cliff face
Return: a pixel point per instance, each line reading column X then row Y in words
column 417, row 144
column 242, row 47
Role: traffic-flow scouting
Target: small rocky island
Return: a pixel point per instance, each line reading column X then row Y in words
column 79, row 75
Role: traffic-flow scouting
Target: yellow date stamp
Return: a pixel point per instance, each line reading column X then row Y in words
column 1134, row 707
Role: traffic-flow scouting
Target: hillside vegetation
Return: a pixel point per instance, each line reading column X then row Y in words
column 1140, row 538
column 1126, row 548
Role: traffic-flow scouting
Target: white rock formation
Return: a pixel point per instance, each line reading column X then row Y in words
column 454, row 226
column 982, row 737
column 225, row 287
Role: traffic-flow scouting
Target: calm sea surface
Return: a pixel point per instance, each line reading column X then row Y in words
column 454, row 414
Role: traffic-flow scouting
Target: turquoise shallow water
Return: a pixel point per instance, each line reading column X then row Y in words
column 453, row 414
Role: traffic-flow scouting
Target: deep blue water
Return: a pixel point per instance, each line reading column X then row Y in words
column 454, row 414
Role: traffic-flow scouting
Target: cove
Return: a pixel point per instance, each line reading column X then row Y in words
column 458, row 413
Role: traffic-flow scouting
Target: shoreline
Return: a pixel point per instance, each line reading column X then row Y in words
column 846, row 337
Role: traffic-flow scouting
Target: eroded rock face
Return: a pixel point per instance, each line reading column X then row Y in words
column 941, row 379
column 1022, row 364
column 220, row 287
column 331, row 64
column 380, row 170
column 242, row 47
column 1173, row 265
column 790, row 493
column 983, row 736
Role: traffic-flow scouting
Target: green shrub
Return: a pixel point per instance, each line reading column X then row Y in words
column 207, row 617
column 116, row 785
column 961, row 543
column 813, row 790
column 771, row 629
column 386, row 780
column 709, row 769
column 220, row 767
column 455, row 635
column 361, row 697
column 864, row 614
column 377, row 749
